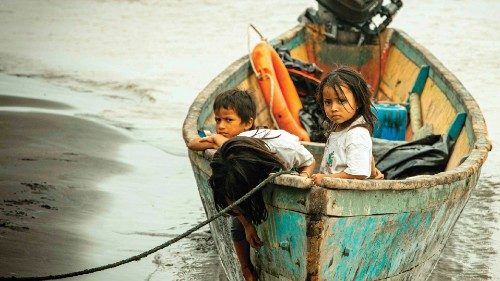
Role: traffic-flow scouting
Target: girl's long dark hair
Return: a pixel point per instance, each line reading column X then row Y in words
column 348, row 77
column 238, row 166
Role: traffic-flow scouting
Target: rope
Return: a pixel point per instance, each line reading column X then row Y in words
column 157, row 248
column 258, row 74
column 379, row 64
column 271, row 102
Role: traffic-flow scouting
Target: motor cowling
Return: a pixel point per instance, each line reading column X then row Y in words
column 352, row 11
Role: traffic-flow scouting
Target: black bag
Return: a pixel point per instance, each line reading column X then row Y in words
column 426, row 156
column 304, row 76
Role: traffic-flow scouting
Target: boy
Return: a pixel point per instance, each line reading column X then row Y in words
column 235, row 113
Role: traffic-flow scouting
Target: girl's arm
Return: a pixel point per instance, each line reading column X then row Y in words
column 376, row 173
column 250, row 232
column 307, row 171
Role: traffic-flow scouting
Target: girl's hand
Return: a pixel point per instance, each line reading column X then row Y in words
column 376, row 174
column 252, row 236
column 317, row 178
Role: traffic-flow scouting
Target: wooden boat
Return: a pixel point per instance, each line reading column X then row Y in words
column 353, row 229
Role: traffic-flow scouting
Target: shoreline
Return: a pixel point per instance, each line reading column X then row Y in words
column 49, row 182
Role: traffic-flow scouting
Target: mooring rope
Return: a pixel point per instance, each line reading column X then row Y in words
column 258, row 75
column 157, row 248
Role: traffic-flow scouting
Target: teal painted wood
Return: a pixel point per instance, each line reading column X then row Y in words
column 220, row 228
column 387, row 245
column 284, row 252
column 419, row 84
column 378, row 235
column 456, row 125
column 347, row 229
column 290, row 42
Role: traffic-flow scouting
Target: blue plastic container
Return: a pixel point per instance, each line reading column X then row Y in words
column 392, row 121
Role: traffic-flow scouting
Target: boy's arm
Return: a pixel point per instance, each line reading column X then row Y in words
column 218, row 139
column 200, row 144
column 210, row 142
column 250, row 232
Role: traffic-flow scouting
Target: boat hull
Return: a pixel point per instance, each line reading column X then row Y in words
column 352, row 229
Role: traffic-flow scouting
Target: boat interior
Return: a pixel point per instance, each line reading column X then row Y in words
column 405, row 69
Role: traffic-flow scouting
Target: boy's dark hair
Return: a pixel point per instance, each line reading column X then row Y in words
column 238, row 100
column 238, row 166
column 348, row 77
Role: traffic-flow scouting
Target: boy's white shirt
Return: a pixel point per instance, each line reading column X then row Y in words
column 349, row 150
column 286, row 145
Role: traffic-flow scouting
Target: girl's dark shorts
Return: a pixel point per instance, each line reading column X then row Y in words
column 237, row 230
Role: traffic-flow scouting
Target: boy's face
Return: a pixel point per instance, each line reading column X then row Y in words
column 228, row 123
column 339, row 108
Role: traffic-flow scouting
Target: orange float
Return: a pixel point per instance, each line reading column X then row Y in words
column 285, row 99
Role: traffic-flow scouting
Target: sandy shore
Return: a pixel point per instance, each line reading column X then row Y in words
column 50, row 167
column 77, row 193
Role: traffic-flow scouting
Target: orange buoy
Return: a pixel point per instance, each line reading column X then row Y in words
column 286, row 85
column 278, row 89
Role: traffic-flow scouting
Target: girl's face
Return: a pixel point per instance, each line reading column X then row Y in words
column 339, row 108
column 228, row 123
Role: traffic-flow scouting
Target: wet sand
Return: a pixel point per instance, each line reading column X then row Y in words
column 78, row 190
column 51, row 167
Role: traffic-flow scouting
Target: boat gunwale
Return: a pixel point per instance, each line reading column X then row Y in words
column 470, row 166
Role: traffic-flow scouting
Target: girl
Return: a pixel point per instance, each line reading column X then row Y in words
column 239, row 165
column 345, row 99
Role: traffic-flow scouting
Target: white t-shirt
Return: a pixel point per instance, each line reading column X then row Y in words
column 349, row 150
column 286, row 145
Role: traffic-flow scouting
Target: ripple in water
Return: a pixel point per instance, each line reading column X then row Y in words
column 469, row 251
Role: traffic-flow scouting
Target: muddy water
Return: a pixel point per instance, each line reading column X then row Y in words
column 132, row 68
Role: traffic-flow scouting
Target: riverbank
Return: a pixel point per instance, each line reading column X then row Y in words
column 79, row 190
column 51, row 167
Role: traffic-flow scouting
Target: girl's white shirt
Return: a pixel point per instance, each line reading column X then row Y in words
column 349, row 150
column 286, row 145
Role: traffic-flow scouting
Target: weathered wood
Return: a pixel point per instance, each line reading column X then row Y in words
column 353, row 229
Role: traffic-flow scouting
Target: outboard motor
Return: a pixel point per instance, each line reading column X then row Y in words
column 352, row 21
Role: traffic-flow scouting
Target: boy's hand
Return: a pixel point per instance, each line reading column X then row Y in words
column 252, row 236
column 201, row 144
column 208, row 139
column 216, row 139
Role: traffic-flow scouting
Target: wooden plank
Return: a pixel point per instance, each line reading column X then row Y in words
column 371, row 202
column 461, row 149
column 436, row 108
column 300, row 53
column 399, row 75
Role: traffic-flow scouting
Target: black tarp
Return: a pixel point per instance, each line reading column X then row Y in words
column 305, row 80
column 426, row 156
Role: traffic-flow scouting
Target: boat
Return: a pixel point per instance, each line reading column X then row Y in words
column 354, row 229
